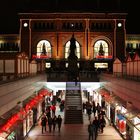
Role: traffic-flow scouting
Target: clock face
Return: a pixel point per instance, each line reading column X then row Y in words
column 119, row 24
column 25, row 24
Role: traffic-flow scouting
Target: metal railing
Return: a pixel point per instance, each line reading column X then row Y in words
column 62, row 76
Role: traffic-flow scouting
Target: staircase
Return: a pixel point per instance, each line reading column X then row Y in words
column 73, row 103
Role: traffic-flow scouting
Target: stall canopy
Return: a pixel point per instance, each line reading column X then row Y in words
column 133, row 117
column 11, row 122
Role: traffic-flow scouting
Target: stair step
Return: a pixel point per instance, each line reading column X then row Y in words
column 73, row 108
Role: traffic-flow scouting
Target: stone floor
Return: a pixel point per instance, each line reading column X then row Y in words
column 72, row 132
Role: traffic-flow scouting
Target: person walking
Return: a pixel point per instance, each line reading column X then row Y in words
column 94, row 110
column 89, row 110
column 102, row 123
column 84, row 107
column 96, row 124
column 43, row 122
column 48, row 113
column 53, row 108
column 61, row 106
column 98, row 108
column 59, row 122
column 91, row 131
column 50, row 122
column 54, row 122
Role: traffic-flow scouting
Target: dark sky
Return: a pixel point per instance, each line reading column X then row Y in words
column 9, row 9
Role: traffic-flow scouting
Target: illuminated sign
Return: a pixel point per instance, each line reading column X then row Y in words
column 101, row 65
column 16, row 117
column 40, row 57
column 103, row 57
column 48, row 65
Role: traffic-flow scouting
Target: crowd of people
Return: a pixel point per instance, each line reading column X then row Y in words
column 50, row 119
column 98, row 122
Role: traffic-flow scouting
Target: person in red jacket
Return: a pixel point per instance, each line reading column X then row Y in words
column 53, row 108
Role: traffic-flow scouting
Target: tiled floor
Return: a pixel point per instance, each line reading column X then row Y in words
column 72, row 132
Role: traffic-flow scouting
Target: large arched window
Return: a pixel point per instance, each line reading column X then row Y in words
column 67, row 49
column 101, row 49
column 44, row 48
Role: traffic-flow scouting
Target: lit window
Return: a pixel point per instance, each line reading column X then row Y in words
column 48, row 65
column 101, row 48
column 134, row 46
column 101, row 65
column 44, row 49
column 67, row 49
column 72, row 25
column 66, row 65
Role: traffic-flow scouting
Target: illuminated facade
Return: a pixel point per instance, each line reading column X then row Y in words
column 99, row 37
column 45, row 38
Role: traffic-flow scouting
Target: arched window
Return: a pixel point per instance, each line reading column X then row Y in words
column 101, row 49
column 67, row 49
column 44, row 48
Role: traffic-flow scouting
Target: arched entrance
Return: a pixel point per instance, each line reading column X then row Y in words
column 67, row 49
column 44, row 49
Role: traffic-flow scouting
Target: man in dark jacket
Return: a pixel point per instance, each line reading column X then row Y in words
column 96, row 124
column 43, row 122
column 59, row 122
column 91, row 131
column 50, row 122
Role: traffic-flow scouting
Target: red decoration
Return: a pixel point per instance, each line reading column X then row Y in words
column 122, row 126
column 10, row 122
column 23, row 111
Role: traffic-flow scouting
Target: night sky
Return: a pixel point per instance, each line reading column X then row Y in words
column 9, row 9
